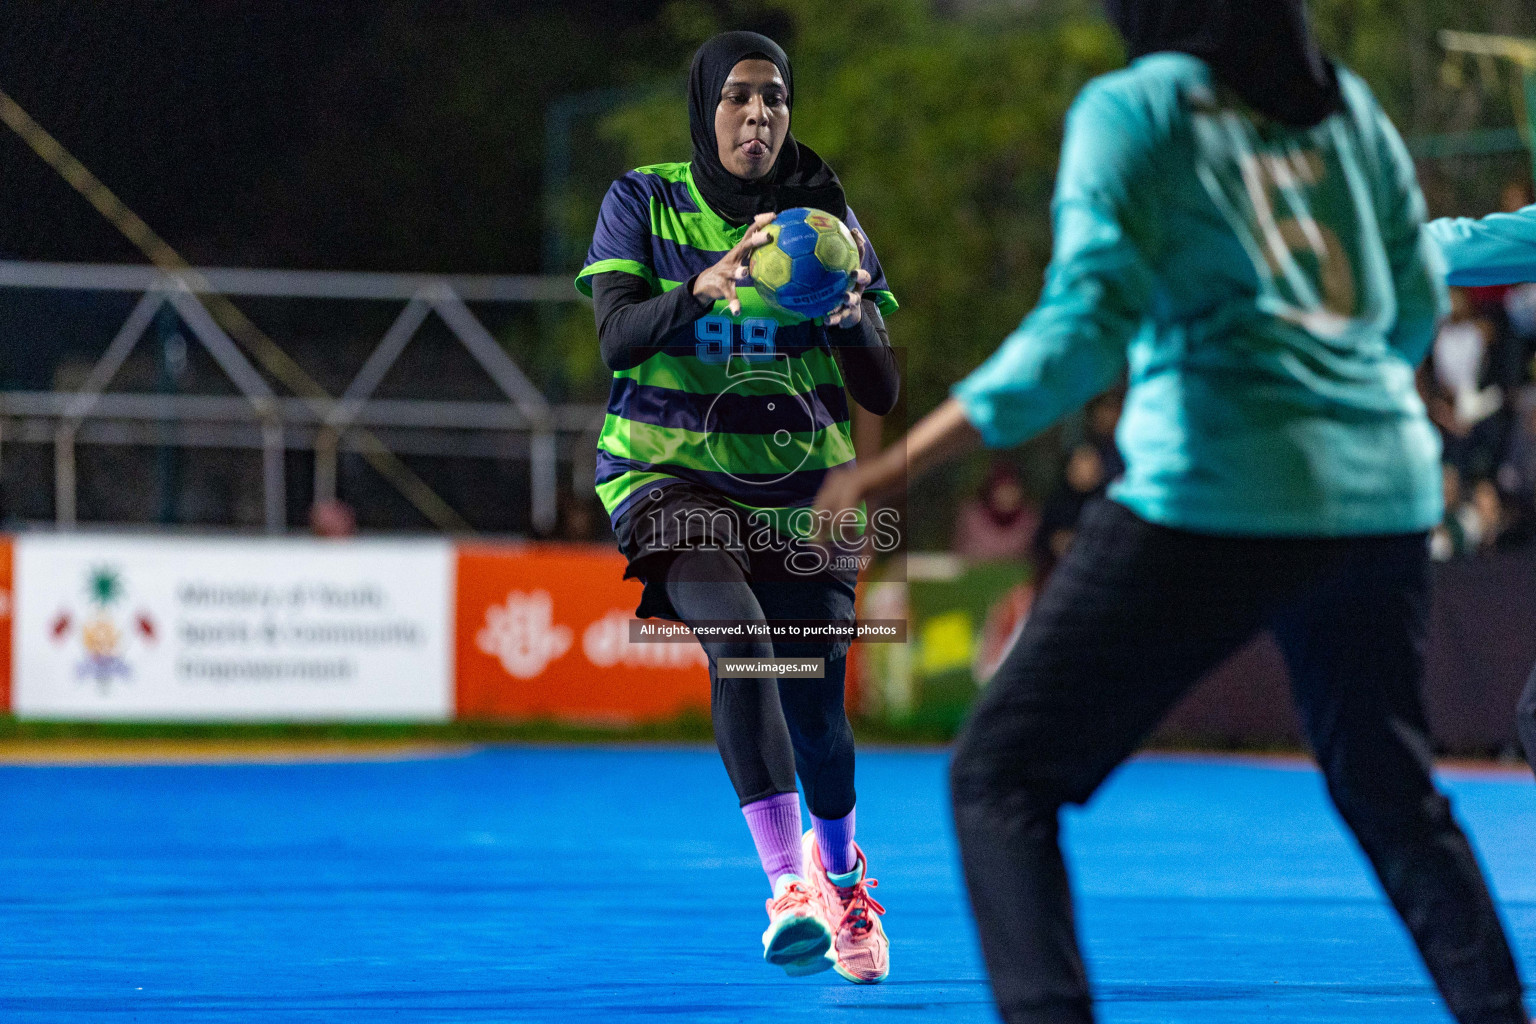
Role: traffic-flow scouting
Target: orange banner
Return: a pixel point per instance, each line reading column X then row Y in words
column 542, row 631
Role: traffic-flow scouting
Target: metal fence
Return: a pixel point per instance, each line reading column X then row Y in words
column 523, row 426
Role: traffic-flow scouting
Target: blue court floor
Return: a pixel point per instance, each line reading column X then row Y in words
column 620, row 884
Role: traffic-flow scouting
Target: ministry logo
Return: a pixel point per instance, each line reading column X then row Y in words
column 522, row 634
column 103, row 632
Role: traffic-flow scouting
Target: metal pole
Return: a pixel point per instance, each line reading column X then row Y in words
column 326, row 444
column 583, row 463
column 64, row 477
column 274, row 489
column 543, row 471
column 167, row 456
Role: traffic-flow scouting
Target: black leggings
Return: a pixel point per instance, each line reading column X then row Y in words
column 766, row 729
column 1132, row 618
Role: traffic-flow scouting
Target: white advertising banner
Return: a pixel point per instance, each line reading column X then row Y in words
column 112, row 627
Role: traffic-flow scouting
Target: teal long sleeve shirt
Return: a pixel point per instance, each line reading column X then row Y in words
column 1269, row 293
column 1498, row 249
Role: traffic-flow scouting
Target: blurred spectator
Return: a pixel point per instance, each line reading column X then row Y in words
column 1466, row 399
column 1517, row 471
column 1488, row 507
column 576, row 522
column 1501, row 522
column 1084, row 479
column 1493, row 514
column 1458, row 532
column 999, row 521
column 1520, row 309
column 332, row 519
column 1519, row 300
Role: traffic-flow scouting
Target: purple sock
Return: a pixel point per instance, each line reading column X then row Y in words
column 834, row 837
column 775, row 826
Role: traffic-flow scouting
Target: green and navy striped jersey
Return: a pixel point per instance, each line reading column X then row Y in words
column 751, row 406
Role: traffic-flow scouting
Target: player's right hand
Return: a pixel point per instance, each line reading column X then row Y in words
column 718, row 283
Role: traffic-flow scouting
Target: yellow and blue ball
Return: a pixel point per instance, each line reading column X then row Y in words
column 808, row 266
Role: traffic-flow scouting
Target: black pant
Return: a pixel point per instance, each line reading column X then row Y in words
column 1133, row 617
column 1525, row 719
column 768, row 729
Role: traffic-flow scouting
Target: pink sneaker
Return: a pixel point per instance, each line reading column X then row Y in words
column 797, row 938
column 858, row 941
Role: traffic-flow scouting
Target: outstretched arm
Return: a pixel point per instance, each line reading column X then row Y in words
column 1498, row 249
column 937, row 438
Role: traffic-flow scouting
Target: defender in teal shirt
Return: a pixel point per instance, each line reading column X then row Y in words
column 1238, row 231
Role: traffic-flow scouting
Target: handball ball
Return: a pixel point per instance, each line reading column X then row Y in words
column 808, row 265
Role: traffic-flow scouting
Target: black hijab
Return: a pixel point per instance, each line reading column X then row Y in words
column 799, row 177
column 1263, row 50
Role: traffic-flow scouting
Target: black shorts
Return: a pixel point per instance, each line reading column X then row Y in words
column 791, row 579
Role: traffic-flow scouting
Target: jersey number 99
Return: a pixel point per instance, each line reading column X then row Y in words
column 716, row 337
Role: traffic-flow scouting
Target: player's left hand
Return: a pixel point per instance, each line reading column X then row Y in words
column 851, row 311
column 841, row 490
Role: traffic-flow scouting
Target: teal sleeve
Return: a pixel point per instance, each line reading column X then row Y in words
column 1418, row 270
column 1499, row 249
column 1097, row 288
